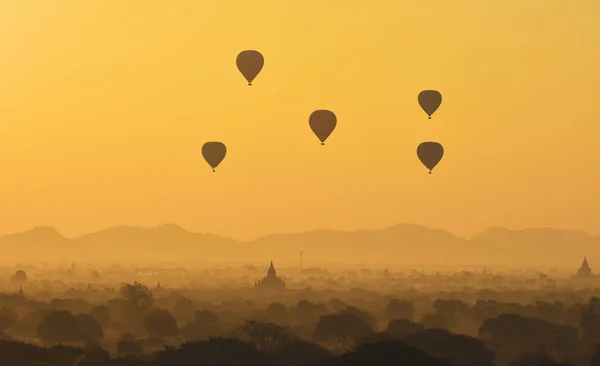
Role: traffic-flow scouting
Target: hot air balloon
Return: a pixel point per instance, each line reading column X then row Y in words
column 430, row 101
column 430, row 154
column 214, row 153
column 250, row 63
column 322, row 122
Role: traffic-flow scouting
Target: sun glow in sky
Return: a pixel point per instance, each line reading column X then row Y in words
column 105, row 105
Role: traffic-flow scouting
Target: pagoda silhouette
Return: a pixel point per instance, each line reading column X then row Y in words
column 271, row 281
column 584, row 270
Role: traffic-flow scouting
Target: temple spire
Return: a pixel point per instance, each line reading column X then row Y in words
column 271, row 280
column 585, row 269
column 271, row 272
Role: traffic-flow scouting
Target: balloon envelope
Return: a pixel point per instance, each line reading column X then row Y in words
column 214, row 153
column 250, row 63
column 322, row 122
column 430, row 154
column 430, row 101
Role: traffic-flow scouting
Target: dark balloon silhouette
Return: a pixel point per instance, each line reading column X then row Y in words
column 214, row 153
column 430, row 154
column 250, row 63
column 322, row 122
column 430, row 101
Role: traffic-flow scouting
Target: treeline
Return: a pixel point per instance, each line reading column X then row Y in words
column 141, row 328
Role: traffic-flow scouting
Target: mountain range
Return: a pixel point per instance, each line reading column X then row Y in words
column 401, row 244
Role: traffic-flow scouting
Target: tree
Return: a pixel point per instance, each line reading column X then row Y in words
column 385, row 353
column 10, row 313
column 433, row 321
column 265, row 335
column 184, row 309
column 374, row 338
column 396, row 309
column 207, row 319
column 62, row 326
column 460, row 350
column 28, row 325
column 306, row 311
column 342, row 328
column 19, row 277
column 336, row 305
column 527, row 334
column 362, row 315
column 160, row 323
column 88, row 328
column 101, row 314
column 452, row 311
column 192, row 332
column 94, row 357
column 299, row 353
column 539, row 358
column 402, row 327
column 213, row 352
column 138, row 295
column 129, row 348
column 127, row 337
column 277, row 312
column 5, row 322
column 58, row 326
column 19, row 353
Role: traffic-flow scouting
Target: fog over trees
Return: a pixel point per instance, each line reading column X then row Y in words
column 78, row 313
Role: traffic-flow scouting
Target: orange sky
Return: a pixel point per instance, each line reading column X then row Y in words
column 104, row 107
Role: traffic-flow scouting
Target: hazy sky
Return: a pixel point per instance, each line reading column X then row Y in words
column 104, row 107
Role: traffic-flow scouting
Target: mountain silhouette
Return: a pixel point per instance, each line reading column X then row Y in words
column 546, row 245
column 44, row 240
column 401, row 243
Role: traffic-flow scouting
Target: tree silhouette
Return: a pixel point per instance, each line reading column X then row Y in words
column 207, row 319
column 160, row 323
column 342, row 328
column 265, row 335
column 58, row 326
column 298, row 353
column 129, row 348
column 214, row 352
column 385, row 353
column 19, row 277
column 88, row 328
column 184, row 309
column 402, row 327
column 396, row 309
column 101, row 314
column 10, row 313
column 277, row 312
column 138, row 295
column 460, row 350
column 5, row 322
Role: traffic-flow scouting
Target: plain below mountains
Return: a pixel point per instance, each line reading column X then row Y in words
column 401, row 244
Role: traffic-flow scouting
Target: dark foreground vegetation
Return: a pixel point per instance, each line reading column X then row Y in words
column 134, row 325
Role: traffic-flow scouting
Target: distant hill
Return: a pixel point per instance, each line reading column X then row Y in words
column 167, row 242
column 543, row 245
column 402, row 244
column 39, row 242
